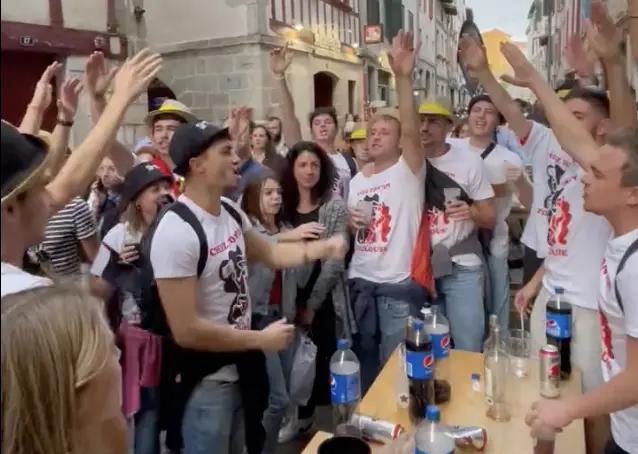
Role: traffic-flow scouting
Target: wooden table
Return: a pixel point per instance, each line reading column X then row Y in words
column 467, row 407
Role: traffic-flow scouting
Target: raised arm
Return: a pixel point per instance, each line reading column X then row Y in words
column 280, row 60
column 474, row 59
column 78, row 172
column 571, row 134
column 402, row 58
column 97, row 79
column 40, row 102
column 605, row 39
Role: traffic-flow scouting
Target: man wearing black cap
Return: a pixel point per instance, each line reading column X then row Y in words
column 212, row 313
column 27, row 201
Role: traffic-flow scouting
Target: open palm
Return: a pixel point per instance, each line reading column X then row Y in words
column 602, row 34
column 96, row 77
column 524, row 72
column 472, row 56
column 403, row 54
column 69, row 97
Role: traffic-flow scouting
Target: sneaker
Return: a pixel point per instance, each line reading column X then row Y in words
column 289, row 430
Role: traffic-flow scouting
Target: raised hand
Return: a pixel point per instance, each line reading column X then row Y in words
column 524, row 72
column 136, row 74
column 68, row 100
column 603, row 36
column 473, row 57
column 43, row 93
column 239, row 123
column 403, row 54
column 577, row 57
column 280, row 60
column 97, row 78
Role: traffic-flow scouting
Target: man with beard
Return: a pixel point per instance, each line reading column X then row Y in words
column 274, row 127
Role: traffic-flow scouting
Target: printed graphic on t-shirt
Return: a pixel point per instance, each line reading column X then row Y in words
column 554, row 172
column 233, row 272
column 559, row 217
column 438, row 221
column 374, row 238
column 607, row 349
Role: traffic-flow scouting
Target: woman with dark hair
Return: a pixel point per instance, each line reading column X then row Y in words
column 262, row 203
column 264, row 151
column 317, row 292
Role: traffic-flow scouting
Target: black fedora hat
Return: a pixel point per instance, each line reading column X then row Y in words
column 24, row 158
column 139, row 178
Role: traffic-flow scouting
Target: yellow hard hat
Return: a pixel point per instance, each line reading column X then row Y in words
column 438, row 106
column 359, row 134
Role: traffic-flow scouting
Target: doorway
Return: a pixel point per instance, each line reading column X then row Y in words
column 324, row 88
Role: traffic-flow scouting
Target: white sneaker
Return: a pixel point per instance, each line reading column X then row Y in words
column 289, row 430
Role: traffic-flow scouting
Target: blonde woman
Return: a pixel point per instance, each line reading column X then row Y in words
column 60, row 375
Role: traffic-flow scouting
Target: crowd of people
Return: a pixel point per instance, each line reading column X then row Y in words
column 215, row 252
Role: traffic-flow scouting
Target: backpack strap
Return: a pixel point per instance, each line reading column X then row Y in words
column 234, row 213
column 488, row 150
column 351, row 164
column 633, row 247
column 189, row 217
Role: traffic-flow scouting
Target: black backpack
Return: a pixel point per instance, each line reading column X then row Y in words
column 153, row 317
column 633, row 247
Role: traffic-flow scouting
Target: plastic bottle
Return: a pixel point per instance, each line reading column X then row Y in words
column 419, row 366
column 430, row 436
column 345, row 383
column 438, row 327
column 496, row 367
column 558, row 329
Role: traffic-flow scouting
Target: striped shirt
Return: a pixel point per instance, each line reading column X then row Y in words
column 64, row 231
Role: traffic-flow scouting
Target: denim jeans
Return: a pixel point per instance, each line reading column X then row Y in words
column 498, row 302
column 146, row 427
column 278, row 367
column 460, row 296
column 214, row 419
column 392, row 316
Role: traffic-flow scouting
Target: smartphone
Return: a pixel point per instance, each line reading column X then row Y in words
column 451, row 195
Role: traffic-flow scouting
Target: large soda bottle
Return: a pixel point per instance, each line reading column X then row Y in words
column 558, row 328
column 496, row 366
column 430, row 436
column 345, row 383
column 437, row 326
column 419, row 367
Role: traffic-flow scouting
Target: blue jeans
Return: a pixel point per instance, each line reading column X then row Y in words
column 460, row 296
column 498, row 302
column 146, row 423
column 392, row 316
column 214, row 420
column 278, row 367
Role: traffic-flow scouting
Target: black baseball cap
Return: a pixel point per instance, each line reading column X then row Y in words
column 191, row 140
column 24, row 159
column 485, row 98
column 139, row 178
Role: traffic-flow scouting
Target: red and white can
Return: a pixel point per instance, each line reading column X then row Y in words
column 549, row 371
column 376, row 429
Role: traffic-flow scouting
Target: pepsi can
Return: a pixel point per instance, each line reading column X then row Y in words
column 549, row 371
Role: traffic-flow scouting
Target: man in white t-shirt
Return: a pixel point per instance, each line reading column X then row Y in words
column 322, row 121
column 610, row 190
column 212, row 313
column 28, row 199
column 465, row 206
column 503, row 168
column 386, row 206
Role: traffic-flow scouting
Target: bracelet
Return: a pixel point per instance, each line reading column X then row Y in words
column 68, row 124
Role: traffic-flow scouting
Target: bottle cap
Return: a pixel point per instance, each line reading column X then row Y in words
column 416, row 324
column 432, row 413
column 426, row 311
column 342, row 344
column 559, row 290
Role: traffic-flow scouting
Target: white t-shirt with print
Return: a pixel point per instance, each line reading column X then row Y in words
column 468, row 171
column 616, row 325
column 342, row 183
column 496, row 167
column 222, row 289
column 383, row 251
column 116, row 239
column 549, row 164
column 16, row 280
column 575, row 243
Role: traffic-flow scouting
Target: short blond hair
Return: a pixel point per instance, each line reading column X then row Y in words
column 55, row 340
column 383, row 116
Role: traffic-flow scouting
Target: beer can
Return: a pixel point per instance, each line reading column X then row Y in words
column 549, row 371
column 376, row 429
column 472, row 438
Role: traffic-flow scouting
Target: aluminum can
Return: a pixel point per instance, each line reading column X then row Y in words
column 376, row 429
column 549, row 371
column 472, row 438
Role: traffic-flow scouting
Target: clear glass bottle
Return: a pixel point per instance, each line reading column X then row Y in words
column 496, row 367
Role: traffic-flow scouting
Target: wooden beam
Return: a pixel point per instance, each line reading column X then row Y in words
column 55, row 13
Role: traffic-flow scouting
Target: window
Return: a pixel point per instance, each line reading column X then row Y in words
column 384, row 86
column 394, row 17
column 374, row 13
column 410, row 21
